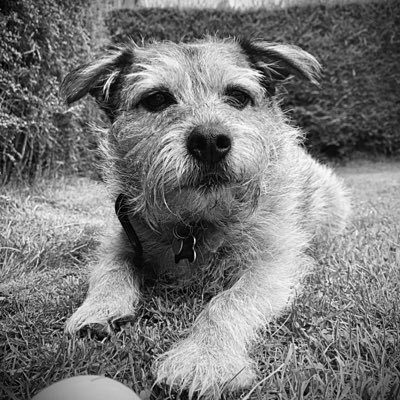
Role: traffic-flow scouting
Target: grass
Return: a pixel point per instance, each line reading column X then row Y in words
column 339, row 340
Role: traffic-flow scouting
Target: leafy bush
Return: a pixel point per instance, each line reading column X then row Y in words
column 40, row 41
column 357, row 107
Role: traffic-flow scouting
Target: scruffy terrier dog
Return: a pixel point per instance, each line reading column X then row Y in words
column 212, row 187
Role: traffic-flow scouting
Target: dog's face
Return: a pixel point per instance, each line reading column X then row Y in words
column 194, row 126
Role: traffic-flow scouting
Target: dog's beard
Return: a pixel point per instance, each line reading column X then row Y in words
column 189, row 193
column 213, row 201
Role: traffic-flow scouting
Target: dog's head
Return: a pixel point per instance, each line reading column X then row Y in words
column 194, row 126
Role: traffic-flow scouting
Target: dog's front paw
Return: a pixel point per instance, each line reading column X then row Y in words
column 204, row 370
column 100, row 316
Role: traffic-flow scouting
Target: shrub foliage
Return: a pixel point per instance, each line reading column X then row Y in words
column 357, row 107
column 40, row 40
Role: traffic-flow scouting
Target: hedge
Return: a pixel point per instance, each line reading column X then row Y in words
column 40, row 41
column 357, row 108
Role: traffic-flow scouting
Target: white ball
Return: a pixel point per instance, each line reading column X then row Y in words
column 87, row 387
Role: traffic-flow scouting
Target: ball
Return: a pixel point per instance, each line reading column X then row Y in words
column 87, row 387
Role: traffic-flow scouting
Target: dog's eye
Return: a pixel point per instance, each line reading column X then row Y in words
column 238, row 98
column 157, row 101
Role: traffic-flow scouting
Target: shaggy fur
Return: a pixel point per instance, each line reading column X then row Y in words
column 253, row 212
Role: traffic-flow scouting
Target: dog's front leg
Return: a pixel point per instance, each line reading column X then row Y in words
column 214, row 357
column 113, row 290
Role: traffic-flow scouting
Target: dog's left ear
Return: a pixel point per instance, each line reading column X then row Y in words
column 279, row 61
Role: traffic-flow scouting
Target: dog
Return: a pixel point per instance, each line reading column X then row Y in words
column 212, row 187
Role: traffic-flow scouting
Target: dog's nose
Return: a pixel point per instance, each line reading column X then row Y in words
column 209, row 143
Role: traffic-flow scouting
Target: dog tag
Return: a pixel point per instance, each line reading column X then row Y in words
column 183, row 246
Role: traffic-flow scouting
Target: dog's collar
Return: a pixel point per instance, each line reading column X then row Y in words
column 122, row 211
column 183, row 243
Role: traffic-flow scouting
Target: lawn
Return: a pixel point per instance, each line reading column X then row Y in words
column 339, row 340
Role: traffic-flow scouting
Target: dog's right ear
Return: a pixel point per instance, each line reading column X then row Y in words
column 101, row 78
